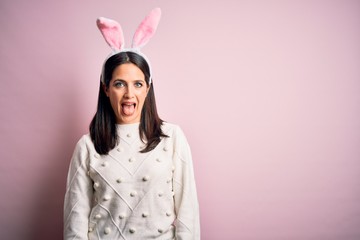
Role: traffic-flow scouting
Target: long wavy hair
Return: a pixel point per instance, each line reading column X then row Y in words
column 103, row 130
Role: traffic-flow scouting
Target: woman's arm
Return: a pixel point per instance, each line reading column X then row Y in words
column 78, row 196
column 186, row 202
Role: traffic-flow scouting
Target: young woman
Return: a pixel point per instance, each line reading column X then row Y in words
column 132, row 176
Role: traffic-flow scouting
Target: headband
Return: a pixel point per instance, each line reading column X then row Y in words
column 113, row 35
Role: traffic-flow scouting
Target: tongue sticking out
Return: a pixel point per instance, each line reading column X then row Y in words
column 128, row 109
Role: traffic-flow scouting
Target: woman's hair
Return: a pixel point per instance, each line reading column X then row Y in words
column 103, row 130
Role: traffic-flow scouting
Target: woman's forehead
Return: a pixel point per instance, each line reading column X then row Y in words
column 128, row 72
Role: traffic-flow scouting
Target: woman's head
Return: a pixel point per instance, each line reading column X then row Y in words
column 126, row 84
column 125, row 96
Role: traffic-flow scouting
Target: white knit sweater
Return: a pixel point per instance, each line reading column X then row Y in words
column 131, row 195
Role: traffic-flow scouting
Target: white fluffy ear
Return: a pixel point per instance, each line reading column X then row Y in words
column 146, row 28
column 112, row 32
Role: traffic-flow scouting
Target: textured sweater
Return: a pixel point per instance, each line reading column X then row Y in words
column 130, row 195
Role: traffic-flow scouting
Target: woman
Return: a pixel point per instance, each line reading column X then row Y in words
column 131, row 177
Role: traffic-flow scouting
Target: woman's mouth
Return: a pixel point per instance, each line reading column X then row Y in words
column 128, row 108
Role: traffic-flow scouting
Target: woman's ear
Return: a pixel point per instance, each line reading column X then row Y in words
column 105, row 89
column 148, row 88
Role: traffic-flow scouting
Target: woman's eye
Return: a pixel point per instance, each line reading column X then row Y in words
column 119, row 84
column 138, row 84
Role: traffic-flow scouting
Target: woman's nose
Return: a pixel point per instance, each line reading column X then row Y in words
column 129, row 92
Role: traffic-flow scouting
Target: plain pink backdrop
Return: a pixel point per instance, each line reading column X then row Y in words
column 267, row 92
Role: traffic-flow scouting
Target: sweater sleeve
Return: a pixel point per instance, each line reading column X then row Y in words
column 187, row 222
column 78, row 196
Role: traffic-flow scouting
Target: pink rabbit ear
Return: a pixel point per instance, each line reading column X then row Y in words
column 112, row 32
column 146, row 28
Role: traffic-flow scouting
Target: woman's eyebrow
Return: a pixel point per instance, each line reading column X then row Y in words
column 129, row 82
column 136, row 80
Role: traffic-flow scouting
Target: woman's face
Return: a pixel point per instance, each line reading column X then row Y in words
column 127, row 92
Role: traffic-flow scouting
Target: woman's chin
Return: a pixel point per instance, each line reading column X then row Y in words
column 128, row 119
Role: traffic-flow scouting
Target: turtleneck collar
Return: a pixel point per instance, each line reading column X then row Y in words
column 126, row 130
column 129, row 126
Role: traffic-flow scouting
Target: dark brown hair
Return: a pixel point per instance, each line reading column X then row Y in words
column 102, row 128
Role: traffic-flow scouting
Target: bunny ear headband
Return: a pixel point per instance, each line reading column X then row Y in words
column 113, row 34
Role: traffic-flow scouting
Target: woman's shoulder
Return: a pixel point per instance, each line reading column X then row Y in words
column 173, row 130
column 179, row 141
column 84, row 139
column 167, row 126
column 170, row 128
column 85, row 142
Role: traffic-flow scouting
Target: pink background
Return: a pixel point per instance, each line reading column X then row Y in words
column 267, row 92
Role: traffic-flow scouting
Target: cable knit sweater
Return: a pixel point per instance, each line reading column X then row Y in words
column 131, row 195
